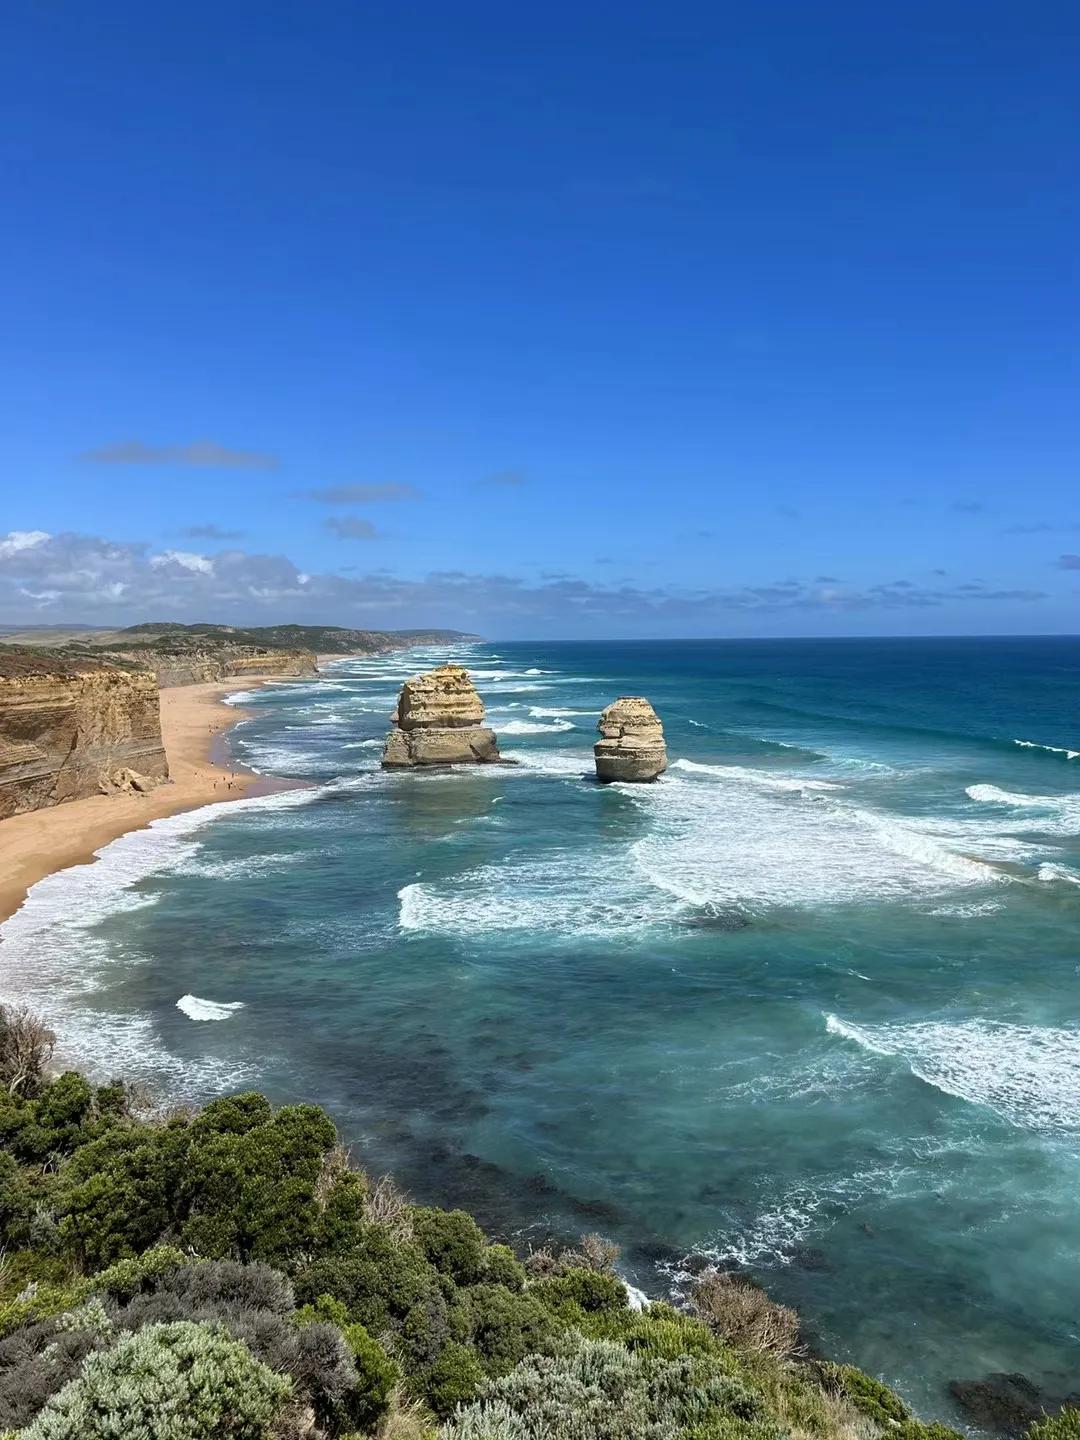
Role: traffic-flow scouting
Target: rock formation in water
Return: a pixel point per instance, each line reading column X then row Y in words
column 439, row 720
column 70, row 728
column 631, row 744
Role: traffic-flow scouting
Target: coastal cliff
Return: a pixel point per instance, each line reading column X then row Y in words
column 74, row 728
column 199, row 666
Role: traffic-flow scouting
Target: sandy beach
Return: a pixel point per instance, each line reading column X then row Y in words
column 193, row 718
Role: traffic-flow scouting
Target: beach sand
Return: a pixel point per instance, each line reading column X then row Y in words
column 193, row 718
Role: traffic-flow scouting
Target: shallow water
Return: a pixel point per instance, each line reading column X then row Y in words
column 811, row 1003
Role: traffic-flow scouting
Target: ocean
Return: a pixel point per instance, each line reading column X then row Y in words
column 809, row 1005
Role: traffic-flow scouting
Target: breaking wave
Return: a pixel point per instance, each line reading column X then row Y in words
column 195, row 1008
column 765, row 778
column 554, row 895
column 526, row 727
column 1029, row 1075
column 1051, row 749
column 761, row 840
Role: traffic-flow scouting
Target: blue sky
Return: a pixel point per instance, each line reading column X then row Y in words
column 605, row 319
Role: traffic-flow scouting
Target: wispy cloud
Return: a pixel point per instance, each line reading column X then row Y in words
column 1068, row 562
column 1043, row 527
column 209, row 532
column 360, row 494
column 968, row 507
column 504, row 480
column 206, row 454
column 351, row 527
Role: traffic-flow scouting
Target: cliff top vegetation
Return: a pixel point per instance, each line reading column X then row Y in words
column 229, row 1272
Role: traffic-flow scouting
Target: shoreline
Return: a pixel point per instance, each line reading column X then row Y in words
column 194, row 721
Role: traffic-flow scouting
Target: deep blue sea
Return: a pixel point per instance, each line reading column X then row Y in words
column 810, row 1004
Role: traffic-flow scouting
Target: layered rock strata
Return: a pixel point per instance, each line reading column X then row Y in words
column 197, row 666
column 631, row 744
column 439, row 720
column 74, row 728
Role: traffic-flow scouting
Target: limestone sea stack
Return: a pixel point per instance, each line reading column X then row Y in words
column 631, row 746
column 439, row 720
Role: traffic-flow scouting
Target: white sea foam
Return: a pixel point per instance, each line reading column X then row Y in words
column 967, row 911
column 1045, row 814
column 1052, row 749
column 195, row 1008
column 1049, row 874
column 754, row 845
column 1027, row 1074
column 373, row 744
column 783, row 1221
column 543, row 712
column 566, row 764
column 497, row 675
column 526, row 727
column 555, row 894
column 636, row 1299
column 765, row 778
column 700, row 724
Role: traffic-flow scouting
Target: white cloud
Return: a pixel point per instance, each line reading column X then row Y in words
column 17, row 540
column 186, row 559
column 87, row 578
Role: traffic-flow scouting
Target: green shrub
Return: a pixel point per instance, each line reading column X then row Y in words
column 872, row 1397
column 238, row 1182
column 501, row 1325
column 660, row 1332
column 602, row 1391
column 589, row 1291
column 376, row 1377
column 381, row 1281
column 453, row 1380
column 341, row 1221
column 917, row 1430
column 502, row 1267
column 127, row 1278
column 452, row 1241
column 1065, row 1426
column 169, row 1382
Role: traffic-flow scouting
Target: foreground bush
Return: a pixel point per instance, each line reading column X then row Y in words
column 227, row 1275
column 602, row 1391
column 169, row 1382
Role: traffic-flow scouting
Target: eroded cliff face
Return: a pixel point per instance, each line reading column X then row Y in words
column 197, row 667
column 439, row 720
column 75, row 728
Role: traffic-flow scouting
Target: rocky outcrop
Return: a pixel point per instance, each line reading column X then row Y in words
column 439, row 720
column 74, row 728
column 631, row 744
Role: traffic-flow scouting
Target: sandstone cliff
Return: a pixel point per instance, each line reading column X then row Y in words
column 197, row 666
column 74, row 728
column 631, row 746
column 439, row 721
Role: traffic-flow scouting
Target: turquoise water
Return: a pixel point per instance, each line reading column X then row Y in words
column 811, row 1004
